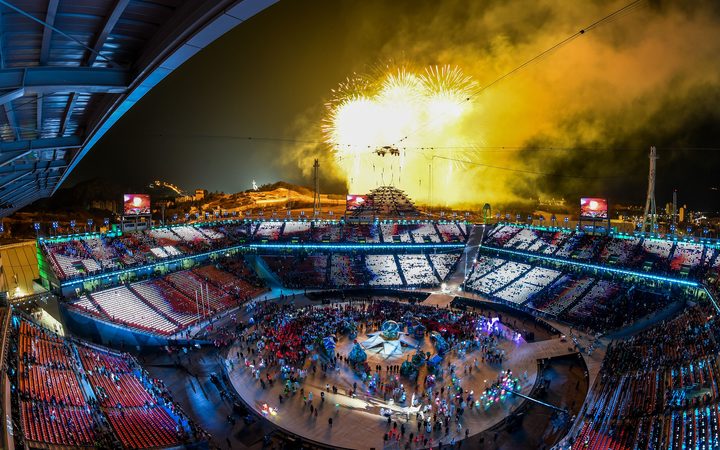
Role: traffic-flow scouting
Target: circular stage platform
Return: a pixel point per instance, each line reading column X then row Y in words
column 359, row 401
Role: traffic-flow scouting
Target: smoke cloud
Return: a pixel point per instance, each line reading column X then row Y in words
column 647, row 77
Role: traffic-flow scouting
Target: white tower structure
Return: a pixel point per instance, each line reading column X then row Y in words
column 316, row 195
column 674, row 210
column 650, row 214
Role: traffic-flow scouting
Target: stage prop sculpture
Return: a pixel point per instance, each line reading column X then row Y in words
column 357, row 355
column 441, row 344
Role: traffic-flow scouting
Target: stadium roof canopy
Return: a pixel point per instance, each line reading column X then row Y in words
column 69, row 69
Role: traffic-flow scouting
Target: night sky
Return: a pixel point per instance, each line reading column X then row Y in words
column 580, row 120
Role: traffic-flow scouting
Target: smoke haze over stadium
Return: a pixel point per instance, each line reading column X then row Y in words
column 647, row 77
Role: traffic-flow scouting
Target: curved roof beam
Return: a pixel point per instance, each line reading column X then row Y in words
column 46, row 80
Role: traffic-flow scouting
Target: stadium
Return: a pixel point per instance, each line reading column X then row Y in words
column 399, row 310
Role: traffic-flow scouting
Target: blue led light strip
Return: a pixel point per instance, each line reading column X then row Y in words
column 595, row 266
column 329, row 246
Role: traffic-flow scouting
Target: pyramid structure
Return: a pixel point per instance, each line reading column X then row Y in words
column 387, row 201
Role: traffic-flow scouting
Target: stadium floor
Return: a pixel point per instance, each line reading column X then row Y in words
column 357, row 423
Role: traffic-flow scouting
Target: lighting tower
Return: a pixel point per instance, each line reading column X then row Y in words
column 650, row 210
column 674, row 211
column 316, row 196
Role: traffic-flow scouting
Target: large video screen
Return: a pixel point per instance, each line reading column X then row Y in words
column 593, row 208
column 355, row 201
column 134, row 204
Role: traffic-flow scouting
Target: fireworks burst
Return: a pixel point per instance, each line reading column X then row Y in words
column 400, row 108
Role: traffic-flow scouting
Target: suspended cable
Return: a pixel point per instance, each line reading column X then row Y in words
column 526, row 171
column 474, row 147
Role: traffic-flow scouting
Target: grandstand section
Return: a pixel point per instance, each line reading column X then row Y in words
column 587, row 302
column 305, row 271
column 297, row 272
column 76, row 259
column 601, row 282
column 498, row 277
column 169, row 305
column 68, row 393
column 382, row 270
column 168, row 301
column 451, row 232
column 326, row 231
column 296, row 231
column 362, row 233
column 123, row 306
column 269, row 231
column 394, row 232
column 444, row 263
column 349, row 270
column 657, row 389
column 417, row 270
column 689, row 257
column 424, row 232
column 561, row 294
column 530, row 284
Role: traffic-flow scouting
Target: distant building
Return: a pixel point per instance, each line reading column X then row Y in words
column 200, row 194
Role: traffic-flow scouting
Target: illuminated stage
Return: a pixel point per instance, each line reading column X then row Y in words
column 358, row 421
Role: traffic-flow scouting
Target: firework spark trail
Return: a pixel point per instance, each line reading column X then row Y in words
column 448, row 80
